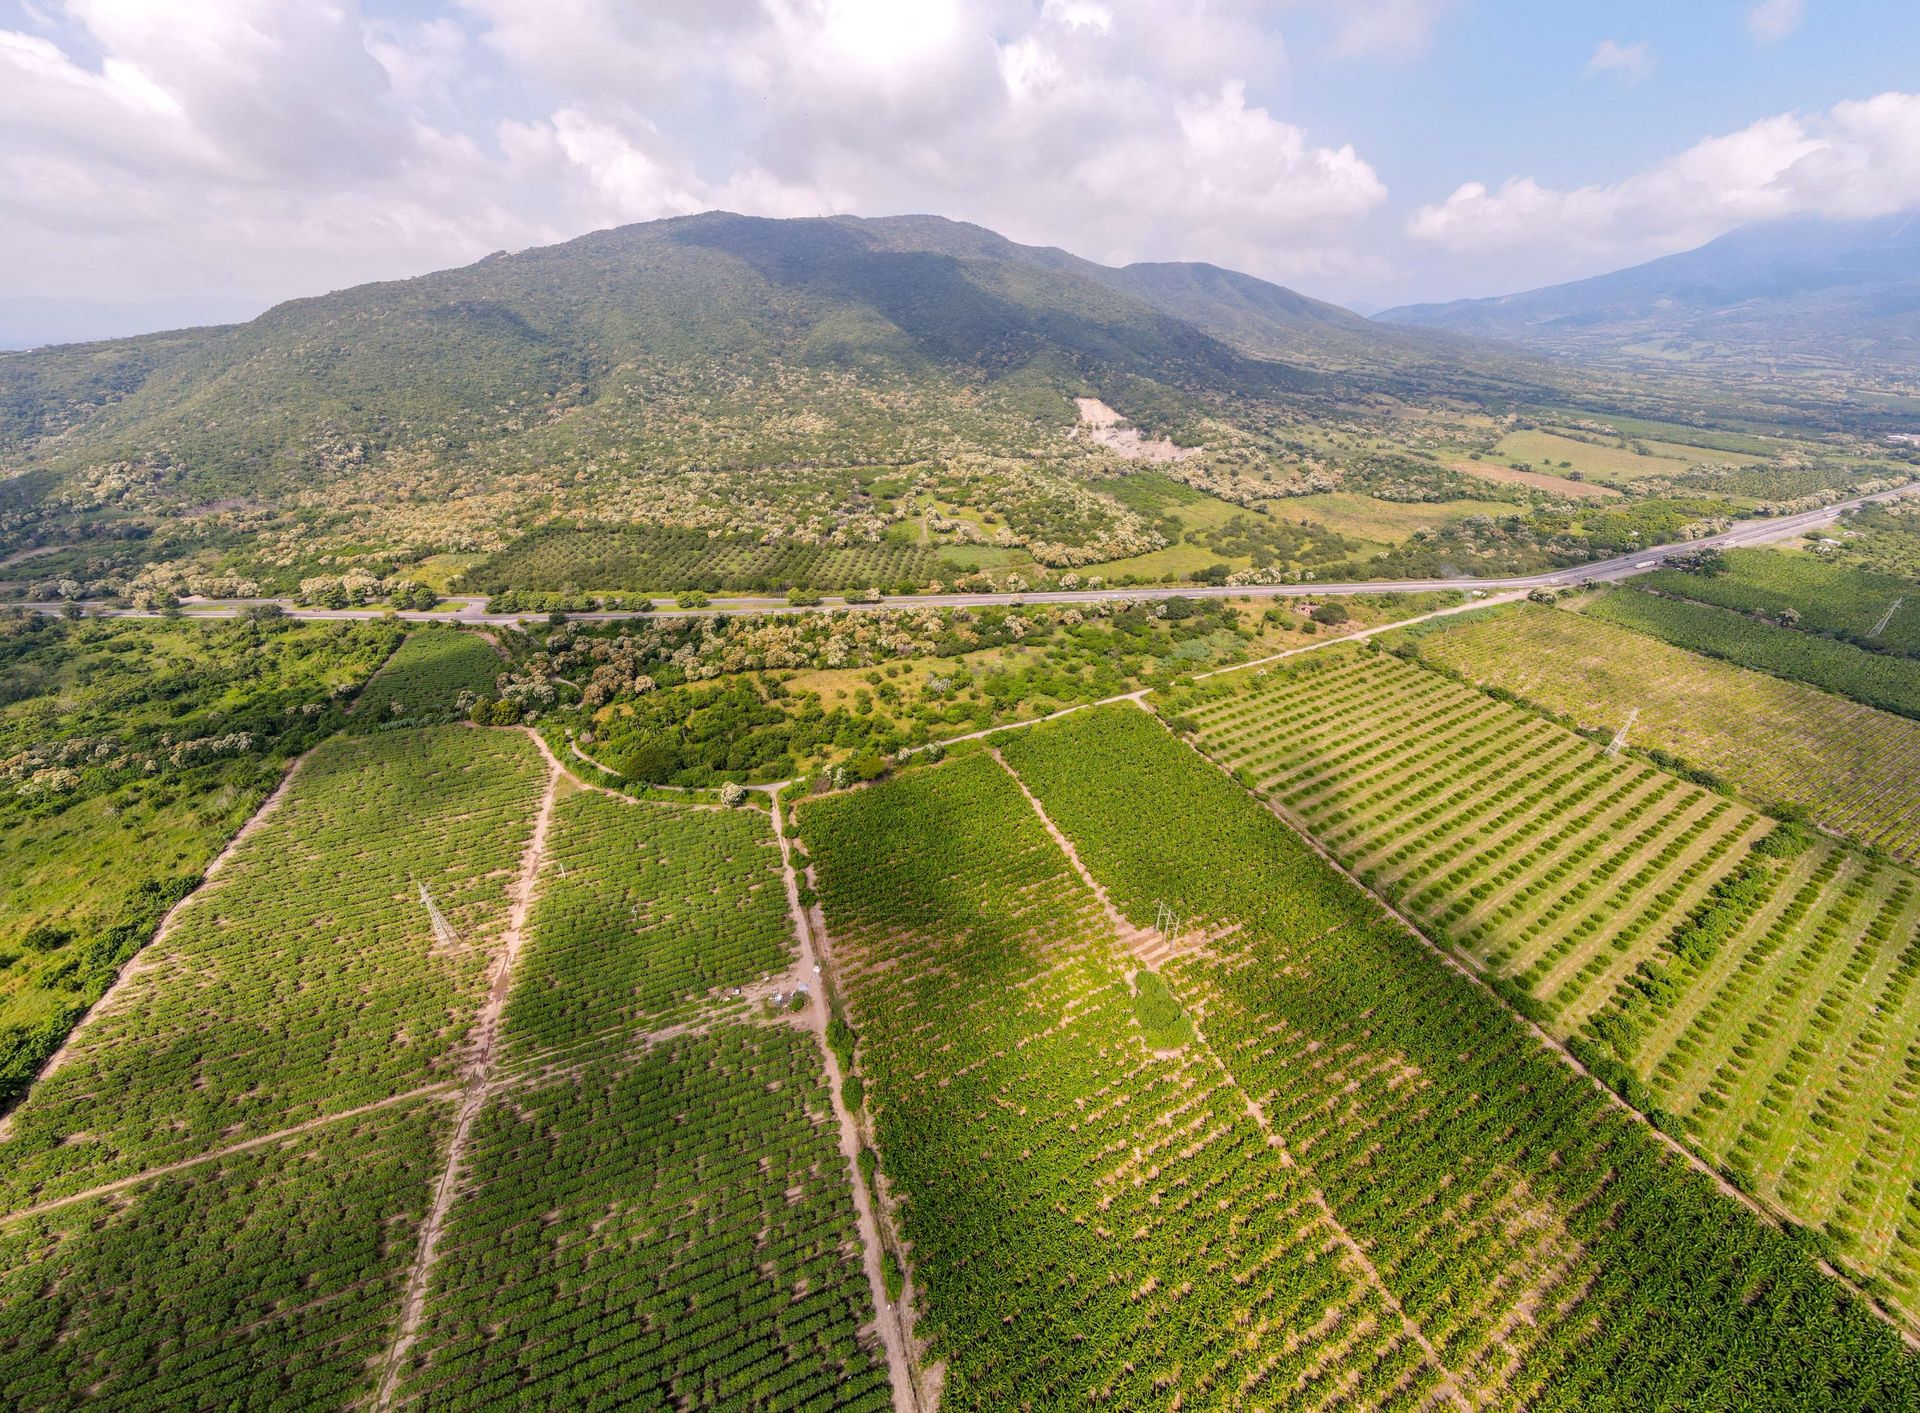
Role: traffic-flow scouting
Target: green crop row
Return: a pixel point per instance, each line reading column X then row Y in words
column 645, row 910
column 1880, row 680
column 664, row 558
column 1553, row 1254
column 1752, row 998
column 307, row 978
column 1088, row 1222
column 1853, row 768
column 1825, row 597
column 424, row 678
column 673, row 1230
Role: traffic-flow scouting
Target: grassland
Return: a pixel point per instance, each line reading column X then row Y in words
column 1851, row 767
column 1876, row 679
column 1756, row 999
column 1429, row 1121
column 1383, row 522
column 1551, row 452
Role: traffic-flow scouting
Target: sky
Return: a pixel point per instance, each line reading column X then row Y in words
column 170, row 161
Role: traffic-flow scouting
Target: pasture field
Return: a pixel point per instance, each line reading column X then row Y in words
column 1544, row 1243
column 1546, row 451
column 661, row 559
column 1087, row 1219
column 264, row 1279
column 1756, row 988
column 306, row 978
column 1538, row 480
column 1855, row 770
column 420, row 682
column 1875, row 679
column 673, row 1228
column 646, row 911
column 1381, row 522
column 1836, row 599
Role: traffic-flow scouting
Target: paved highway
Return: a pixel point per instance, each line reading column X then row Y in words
column 1745, row 532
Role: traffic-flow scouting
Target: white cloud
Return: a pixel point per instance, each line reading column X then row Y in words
column 1394, row 29
column 1774, row 20
column 1632, row 62
column 1120, row 128
column 1859, row 158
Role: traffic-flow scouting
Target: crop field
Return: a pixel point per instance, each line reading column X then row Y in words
column 1758, row 990
column 1876, row 679
column 250, row 1185
column 1089, row 1220
column 1830, row 598
column 1543, row 1243
column 136, row 1301
column 646, row 910
column 670, row 1230
column 665, row 559
column 426, row 673
column 306, row 979
column 1854, row 769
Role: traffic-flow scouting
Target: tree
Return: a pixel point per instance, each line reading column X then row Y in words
column 1331, row 614
column 733, row 793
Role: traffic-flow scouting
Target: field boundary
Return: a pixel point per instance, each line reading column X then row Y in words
column 1451, row 1384
column 477, row 1088
column 142, row 960
column 896, row 1334
column 1468, row 967
column 446, row 1088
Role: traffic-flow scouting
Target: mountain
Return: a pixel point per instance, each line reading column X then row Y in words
column 1805, row 293
column 704, row 339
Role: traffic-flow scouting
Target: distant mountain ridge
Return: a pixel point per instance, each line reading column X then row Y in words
column 1806, row 292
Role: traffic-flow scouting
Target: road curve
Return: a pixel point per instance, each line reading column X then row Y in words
column 473, row 611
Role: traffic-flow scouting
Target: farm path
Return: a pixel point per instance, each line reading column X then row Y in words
column 1467, row 966
column 479, row 1070
column 445, row 1089
column 1136, row 939
column 1450, row 1385
column 891, row 1322
column 143, row 960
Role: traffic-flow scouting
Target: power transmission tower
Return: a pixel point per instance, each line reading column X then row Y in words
column 1166, row 922
column 443, row 932
column 1620, row 736
column 1886, row 617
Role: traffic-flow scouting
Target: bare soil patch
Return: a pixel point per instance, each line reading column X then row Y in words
column 1102, row 426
